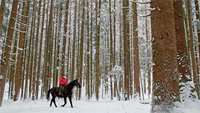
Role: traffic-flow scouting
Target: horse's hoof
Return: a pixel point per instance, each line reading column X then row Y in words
column 62, row 105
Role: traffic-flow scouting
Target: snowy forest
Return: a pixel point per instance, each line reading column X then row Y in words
column 142, row 53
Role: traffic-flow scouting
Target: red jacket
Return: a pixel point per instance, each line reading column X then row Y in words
column 63, row 81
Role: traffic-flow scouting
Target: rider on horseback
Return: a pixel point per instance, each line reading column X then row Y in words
column 63, row 81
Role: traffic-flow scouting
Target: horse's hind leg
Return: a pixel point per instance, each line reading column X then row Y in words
column 51, row 102
column 65, row 101
column 70, row 100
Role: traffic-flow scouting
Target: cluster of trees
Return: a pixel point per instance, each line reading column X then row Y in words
column 153, row 44
column 43, row 39
column 175, row 50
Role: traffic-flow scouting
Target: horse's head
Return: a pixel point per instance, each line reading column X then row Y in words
column 77, row 84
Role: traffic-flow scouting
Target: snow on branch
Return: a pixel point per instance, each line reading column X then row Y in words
column 20, row 49
column 145, row 15
column 23, row 1
column 18, row 30
column 22, row 16
column 20, row 23
column 139, row 2
column 116, row 73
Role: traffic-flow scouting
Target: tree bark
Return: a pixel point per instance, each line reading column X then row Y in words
column 126, row 45
column 136, row 63
column 165, row 74
column 22, row 36
column 65, row 38
column 97, row 47
column 2, row 10
column 7, row 48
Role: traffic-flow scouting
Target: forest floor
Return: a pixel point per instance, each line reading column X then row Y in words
column 83, row 106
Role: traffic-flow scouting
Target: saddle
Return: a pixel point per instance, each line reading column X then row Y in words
column 61, row 91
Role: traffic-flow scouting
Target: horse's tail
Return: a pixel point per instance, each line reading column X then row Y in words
column 48, row 94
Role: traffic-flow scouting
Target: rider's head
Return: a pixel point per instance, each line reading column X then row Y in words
column 64, row 76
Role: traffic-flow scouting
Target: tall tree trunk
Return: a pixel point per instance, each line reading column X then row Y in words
column 22, row 36
column 29, row 61
column 35, row 85
column 88, row 53
column 111, row 46
column 12, row 65
column 65, row 38
column 38, row 73
column 136, row 63
column 192, row 50
column 182, row 54
column 74, row 42
column 32, row 37
column 91, row 48
column 195, row 49
column 48, row 50
column 44, row 65
column 197, row 7
column 7, row 48
column 80, row 68
column 165, row 75
column 126, row 45
column 2, row 10
column 97, row 47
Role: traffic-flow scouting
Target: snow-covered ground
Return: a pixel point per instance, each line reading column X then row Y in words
column 104, row 106
column 83, row 106
column 188, row 107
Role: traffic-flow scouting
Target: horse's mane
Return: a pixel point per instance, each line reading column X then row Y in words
column 71, row 83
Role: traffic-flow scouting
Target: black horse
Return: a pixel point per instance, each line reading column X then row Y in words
column 67, row 92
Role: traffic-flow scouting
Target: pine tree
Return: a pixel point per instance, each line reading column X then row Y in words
column 2, row 10
column 97, row 48
column 7, row 48
column 126, row 46
column 165, row 72
column 136, row 62
column 22, row 36
column 181, row 40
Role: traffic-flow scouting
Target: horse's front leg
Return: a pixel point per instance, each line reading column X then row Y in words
column 54, row 101
column 65, row 101
column 70, row 100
